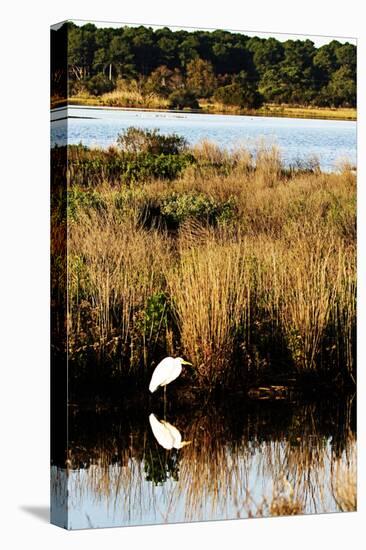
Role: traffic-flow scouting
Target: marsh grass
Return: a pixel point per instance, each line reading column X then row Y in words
column 211, row 297
column 257, row 264
column 268, row 165
column 126, row 94
column 309, row 271
column 269, row 109
column 114, row 270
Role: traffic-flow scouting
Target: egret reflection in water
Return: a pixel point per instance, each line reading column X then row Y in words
column 249, row 458
column 167, row 435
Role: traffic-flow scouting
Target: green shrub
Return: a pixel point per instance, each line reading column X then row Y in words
column 137, row 140
column 79, row 199
column 178, row 207
column 234, row 94
column 76, row 87
column 89, row 167
column 242, row 92
column 99, row 84
column 183, row 99
column 148, row 166
column 155, row 316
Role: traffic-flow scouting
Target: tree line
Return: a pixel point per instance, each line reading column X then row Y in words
column 227, row 67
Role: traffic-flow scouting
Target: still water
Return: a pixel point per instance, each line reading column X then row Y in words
column 239, row 459
column 330, row 141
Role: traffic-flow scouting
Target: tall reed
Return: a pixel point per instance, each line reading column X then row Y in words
column 115, row 268
column 211, row 293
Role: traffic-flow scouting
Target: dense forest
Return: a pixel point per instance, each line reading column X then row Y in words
column 229, row 68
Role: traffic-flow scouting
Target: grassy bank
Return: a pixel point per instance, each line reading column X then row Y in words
column 137, row 101
column 289, row 111
column 244, row 267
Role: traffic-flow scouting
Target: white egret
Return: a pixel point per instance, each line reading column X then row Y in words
column 166, row 435
column 166, row 371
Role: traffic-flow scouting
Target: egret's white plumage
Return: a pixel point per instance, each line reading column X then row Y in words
column 166, row 371
column 166, row 435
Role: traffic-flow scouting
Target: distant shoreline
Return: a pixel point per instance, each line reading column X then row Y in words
column 268, row 110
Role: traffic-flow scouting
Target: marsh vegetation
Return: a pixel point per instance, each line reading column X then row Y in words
column 230, row 259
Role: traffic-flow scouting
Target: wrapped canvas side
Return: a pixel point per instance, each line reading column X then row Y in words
column 58, row 157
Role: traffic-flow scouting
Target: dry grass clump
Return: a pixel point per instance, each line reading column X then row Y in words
column 239, row 161
column 131, row 94
column 309, row 271
column 309, row 291
column 210, row 290
column 207, row 151
column 114, row 267
column 268, row 165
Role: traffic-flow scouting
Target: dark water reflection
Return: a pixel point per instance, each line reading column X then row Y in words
column 243, row 459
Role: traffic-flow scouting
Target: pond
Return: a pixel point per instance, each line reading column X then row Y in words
column 240, row 458
column 330, row 141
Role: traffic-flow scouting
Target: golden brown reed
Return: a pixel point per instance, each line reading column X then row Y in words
column 127, row 94
column 211, row 296
column 115, row 266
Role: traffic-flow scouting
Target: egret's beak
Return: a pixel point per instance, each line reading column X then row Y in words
column 186, row 363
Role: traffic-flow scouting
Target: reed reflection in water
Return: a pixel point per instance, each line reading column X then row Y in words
column 261, row 459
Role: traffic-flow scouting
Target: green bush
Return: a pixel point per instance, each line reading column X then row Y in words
column 76, row 87
column 178, row 207
column 137, row 140
column 89, row 167
column 183, row 99
column 242, row 92
column 155, row 315
column 149, row 166
column 234, row 94
column 78, row 198
column 99, row 84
